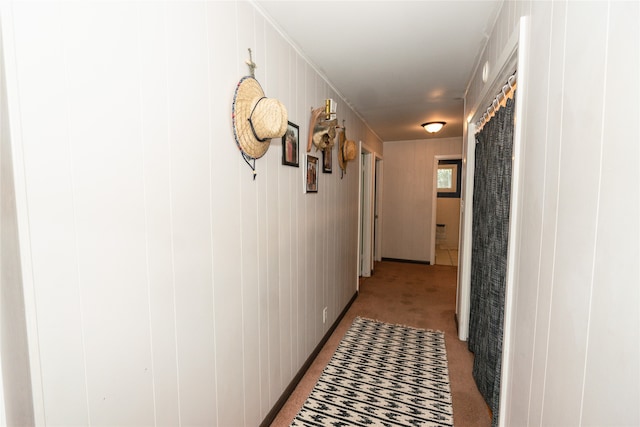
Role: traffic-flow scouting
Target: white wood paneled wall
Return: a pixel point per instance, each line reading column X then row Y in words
column 408, row 190
column 15, row 384
column 165, row 286
column 576, row 329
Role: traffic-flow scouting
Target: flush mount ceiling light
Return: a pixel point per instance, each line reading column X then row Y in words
column 433, row 127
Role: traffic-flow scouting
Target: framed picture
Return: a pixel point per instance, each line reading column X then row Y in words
column 312, row 174
column 327, row 160
column 290, row 144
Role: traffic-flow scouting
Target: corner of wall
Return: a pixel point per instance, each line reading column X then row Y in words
column 16, row 404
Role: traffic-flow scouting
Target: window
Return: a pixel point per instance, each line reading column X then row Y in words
column 449, row 177
column 445, row 178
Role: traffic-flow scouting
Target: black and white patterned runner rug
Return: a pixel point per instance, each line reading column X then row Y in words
column 382, row 375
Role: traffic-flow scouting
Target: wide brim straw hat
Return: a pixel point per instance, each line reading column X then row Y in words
column 256, row 118
column 346, row 150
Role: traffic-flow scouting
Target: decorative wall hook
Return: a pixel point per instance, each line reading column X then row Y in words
column 329, row 109
column 252, row 65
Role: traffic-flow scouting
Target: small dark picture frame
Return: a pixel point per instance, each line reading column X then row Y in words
column 327, row 165
column 312, row 174
column 290, row 145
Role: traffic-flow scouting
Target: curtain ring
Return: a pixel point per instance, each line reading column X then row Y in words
column 512, row 80
column 495, row 106
column 503, row 102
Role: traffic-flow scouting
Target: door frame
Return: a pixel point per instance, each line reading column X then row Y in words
column 505, row 65
column 369, row 210
column 365, row 266
column 514, row 56
column 434, row 202
column 377, row 210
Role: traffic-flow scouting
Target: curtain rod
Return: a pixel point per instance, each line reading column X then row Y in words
column 499, row 101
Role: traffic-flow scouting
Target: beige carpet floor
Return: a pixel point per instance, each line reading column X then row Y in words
column 417, row 295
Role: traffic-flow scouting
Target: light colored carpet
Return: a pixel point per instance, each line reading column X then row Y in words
column 416, row 295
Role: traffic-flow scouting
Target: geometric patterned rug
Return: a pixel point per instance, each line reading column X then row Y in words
column 382, row 375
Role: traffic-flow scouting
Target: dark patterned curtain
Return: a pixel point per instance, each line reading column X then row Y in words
column 491, row 197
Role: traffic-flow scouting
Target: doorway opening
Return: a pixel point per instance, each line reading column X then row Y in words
column 445, row 203
column 370, row 241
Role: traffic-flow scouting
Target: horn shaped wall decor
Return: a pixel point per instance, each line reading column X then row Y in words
column 322, row 126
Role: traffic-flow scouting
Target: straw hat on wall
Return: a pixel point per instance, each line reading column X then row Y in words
column 256, row 119
column 346, row 150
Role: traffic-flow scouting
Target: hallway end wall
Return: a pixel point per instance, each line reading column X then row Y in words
column 408, row 193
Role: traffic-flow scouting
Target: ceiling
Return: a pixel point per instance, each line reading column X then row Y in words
column 397, row 63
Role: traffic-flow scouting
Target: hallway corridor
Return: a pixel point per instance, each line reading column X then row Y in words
column 416, row 295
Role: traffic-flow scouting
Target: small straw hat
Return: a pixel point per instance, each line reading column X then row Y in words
column 346, row 150
column 256, row 119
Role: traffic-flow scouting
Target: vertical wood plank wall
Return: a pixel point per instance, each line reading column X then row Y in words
column 15, row 380
column 576, row 328
column 166, row 286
